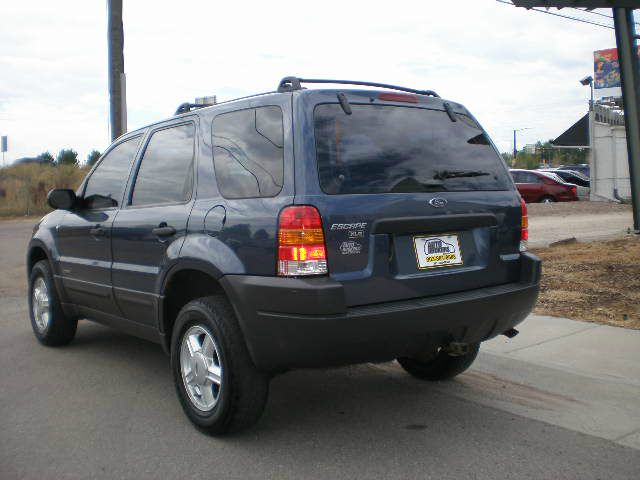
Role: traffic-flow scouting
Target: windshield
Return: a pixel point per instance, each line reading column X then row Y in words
column 389, row 149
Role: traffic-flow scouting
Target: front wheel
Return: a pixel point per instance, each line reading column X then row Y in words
column 218, row 386
column 440, row 365
column 50, row 325
column 547, row 199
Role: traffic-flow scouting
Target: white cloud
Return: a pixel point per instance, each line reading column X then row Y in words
column 512, row 68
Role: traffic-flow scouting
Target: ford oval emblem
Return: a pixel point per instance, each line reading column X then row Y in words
column 438, row 202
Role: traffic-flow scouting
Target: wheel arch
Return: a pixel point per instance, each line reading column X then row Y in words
column 183, row 282
column 36, row 252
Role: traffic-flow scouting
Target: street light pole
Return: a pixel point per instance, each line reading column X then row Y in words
column 592, row 139
column 515, row 147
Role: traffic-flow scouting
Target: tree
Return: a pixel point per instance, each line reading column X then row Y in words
column 67, row 157
column 46, row 157
column 93, row 157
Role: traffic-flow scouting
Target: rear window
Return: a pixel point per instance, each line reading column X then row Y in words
column 389, row 149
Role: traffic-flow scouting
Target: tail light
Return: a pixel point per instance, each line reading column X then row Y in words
column 524, row 226
column 301, row 248
column 574, row 189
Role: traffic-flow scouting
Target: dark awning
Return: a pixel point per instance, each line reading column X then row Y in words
column 576, row 136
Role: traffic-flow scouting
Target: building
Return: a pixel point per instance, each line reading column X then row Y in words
column 602, row 130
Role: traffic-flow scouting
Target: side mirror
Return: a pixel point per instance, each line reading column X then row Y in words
column 62, row 198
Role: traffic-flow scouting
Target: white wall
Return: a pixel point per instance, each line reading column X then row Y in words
column 611, row 167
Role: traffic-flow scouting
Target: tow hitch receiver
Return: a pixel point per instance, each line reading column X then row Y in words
column 457, row 349
column 512, row 332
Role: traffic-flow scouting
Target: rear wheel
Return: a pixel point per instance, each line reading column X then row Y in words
column 439, row 365
column 50, row 325
column 218, row 386
column 547, row 199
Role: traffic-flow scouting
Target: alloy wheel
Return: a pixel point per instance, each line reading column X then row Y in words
column 201, row 368
column 41, row 304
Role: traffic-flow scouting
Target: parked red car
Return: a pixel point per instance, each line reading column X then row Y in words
column 543, row 187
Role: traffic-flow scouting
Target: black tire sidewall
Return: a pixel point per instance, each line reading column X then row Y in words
column 41, row 270
column 191, row 315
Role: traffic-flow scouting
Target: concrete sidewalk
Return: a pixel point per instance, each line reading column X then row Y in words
column 581, row 376
column 590, row 349
column 594, row 370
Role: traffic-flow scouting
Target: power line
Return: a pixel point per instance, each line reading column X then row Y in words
column 597, row 13
column 567, row 17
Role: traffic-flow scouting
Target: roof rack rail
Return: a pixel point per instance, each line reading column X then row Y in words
column 187, row 107
column 289, row 84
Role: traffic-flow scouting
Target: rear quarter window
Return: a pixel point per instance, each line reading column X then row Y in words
column 392, row 149
column 248, row 152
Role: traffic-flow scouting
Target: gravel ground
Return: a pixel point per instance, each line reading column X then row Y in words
column 576, row 208
column 585, row 221
column 596, row 282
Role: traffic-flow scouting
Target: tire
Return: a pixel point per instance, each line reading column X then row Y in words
column 547, row 199
column 442, row 366
column 50, row 325
column 206, row 338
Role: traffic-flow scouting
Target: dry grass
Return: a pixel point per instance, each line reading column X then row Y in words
column 596, row 282
column 24, row 188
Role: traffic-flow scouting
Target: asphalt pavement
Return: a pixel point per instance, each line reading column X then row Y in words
column 561, row 400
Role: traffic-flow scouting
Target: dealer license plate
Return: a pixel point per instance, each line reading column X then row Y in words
column 437, row 251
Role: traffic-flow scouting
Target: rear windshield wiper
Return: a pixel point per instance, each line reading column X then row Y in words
column 444, row 174
column 411, row 185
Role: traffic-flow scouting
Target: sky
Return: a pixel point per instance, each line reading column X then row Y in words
column 512, row 68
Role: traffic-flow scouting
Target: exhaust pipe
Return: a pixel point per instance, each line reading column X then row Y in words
column 512, row 332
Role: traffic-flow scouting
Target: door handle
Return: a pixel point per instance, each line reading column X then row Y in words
column 98, row 231
column 163, row 230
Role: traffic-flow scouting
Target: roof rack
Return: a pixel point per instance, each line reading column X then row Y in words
column 289, row 84
column 187, row 107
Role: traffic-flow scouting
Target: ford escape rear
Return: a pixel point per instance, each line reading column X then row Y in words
column 292, row 229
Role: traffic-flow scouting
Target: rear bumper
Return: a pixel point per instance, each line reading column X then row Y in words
column 295, row 322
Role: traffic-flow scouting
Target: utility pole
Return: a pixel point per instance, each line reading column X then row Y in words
column 630, row 82
column 117, row 79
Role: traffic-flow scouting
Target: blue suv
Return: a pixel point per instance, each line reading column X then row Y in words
column 291, row 229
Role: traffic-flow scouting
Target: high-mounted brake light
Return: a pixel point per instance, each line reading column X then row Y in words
column 397, row 97
column 524, row 226
column 301, row 248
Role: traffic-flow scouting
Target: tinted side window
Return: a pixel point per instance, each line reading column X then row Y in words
column 248, row 152
column 517, row 178
column 166, row 171
column 106, row 185
column 533, row 178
